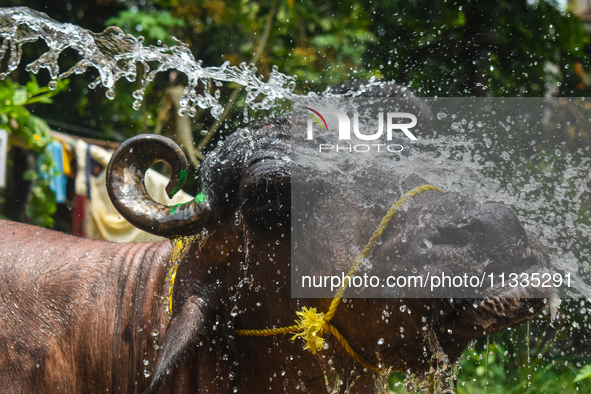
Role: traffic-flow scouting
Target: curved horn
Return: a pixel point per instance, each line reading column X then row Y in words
column 125, row 184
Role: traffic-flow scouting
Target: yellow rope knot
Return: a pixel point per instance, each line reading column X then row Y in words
column 311, row 326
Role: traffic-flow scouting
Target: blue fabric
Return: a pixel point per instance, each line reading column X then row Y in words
column 58, row 182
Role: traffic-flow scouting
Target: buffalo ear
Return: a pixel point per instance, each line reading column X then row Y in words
column 180, row 338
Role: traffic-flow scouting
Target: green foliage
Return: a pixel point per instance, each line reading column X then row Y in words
column 526, row 359
column 493, row 48
column 153, row 26
column 583, row 374
column 322, row 44
column 507, row 365
column 34, row 133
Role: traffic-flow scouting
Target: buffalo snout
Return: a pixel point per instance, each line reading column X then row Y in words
column 490, row 230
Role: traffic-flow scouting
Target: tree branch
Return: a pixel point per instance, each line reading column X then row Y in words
column 255, row 59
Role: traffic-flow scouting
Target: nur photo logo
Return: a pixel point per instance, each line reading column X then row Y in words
column 388, row 123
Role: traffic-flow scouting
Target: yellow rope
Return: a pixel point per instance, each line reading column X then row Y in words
column 370, row 244
column 267, row 332
column 312, row 326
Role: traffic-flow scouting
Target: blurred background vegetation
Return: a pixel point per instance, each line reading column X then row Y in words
column 444, row 48
column 526, row 48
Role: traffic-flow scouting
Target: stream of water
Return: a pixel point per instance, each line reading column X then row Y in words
column 117, row 55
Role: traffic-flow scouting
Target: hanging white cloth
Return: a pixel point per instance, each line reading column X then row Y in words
column 104, row 221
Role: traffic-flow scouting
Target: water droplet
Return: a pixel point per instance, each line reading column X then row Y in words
column 234, row 311
column 381, row 341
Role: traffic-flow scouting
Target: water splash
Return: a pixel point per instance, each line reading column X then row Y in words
column 382, row 381
column 116, row 55
column 541, row 168
column 533, row 154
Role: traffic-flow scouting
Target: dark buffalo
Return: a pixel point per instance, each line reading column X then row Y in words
column 85, row 316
